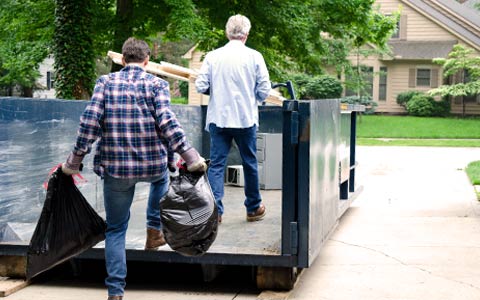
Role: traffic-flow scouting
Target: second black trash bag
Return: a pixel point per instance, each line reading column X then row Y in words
column 68, row 225
column 189, row 214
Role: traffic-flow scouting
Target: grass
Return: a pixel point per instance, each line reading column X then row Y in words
column 418, row 131
column 473, row 172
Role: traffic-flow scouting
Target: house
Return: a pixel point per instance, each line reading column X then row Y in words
column 44, row 85
column 427, row 29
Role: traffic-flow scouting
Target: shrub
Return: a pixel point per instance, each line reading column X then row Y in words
column 323, row 87
column 317, row 87
column 404, row 97
column 370, row 105
column 420, row 105
column 441, row 108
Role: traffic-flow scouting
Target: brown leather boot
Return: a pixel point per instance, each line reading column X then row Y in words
column 115, row 297
column 155, row 239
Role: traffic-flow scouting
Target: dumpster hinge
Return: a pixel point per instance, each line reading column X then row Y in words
column 294, row 237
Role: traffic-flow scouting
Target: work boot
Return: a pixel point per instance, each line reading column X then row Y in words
column 155, row 239
column 115, row 297
column 256, row 215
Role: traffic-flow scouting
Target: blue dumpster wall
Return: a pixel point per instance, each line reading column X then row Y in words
column 38, row 134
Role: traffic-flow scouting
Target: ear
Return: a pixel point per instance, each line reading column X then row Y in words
column 123, row 62
column 145, row 62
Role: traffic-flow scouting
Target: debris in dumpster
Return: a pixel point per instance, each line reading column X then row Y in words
column 67, row 226
column 189, row 213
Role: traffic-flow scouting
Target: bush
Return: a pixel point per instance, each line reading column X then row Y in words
column 317, row 87
column 404, row 97
column 425, row 106
column 441, row 108
column 323, row 87
column 370, row 105
column 421, row 106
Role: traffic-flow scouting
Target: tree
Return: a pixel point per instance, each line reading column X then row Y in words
column 73, row 49
column 24, row 43
column 460, row 61
column 300, row 36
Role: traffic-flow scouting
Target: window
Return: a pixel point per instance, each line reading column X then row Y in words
column 382, row 88
column 423, row 77
column 50, row 80
column 396, row 33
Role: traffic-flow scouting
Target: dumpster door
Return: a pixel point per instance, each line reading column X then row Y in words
column 318, row 175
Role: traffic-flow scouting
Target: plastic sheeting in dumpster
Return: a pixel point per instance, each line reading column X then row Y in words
column 189, row 214
column 68, row 225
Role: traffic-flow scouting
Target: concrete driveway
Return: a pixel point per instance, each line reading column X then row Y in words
column 414, row 232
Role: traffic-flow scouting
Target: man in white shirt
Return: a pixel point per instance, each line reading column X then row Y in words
column 236, row 78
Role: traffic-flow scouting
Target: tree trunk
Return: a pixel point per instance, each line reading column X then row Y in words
column 123, row 27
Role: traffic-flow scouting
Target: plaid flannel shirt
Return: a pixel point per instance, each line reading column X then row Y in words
column 130, row 116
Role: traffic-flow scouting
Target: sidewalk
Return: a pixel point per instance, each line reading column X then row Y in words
column 414, row 232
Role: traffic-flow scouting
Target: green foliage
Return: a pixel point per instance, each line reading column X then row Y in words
column 421, row 106
column 404, row 97
column 25, row 40
column 180, row 100
column 316, row 87
column 459, row 60
column 183, row 88
column 367, row 101
column 322, row 87
column 73, row 49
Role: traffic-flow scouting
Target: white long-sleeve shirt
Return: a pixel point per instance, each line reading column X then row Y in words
column 237, row 78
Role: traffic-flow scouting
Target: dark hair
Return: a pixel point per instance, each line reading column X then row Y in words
column 135, row 51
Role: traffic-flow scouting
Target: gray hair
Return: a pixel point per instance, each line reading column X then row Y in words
column 135, row 51
column 237, row 27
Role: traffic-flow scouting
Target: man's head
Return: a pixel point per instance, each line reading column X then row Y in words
column 135, row 51
column 237, row 27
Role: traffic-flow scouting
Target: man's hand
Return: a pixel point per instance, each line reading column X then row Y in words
column 198, row 166
column 195, row 163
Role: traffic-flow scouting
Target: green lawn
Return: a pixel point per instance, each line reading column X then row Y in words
column 418, row 131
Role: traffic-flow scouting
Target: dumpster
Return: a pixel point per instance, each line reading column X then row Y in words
column 316, row 159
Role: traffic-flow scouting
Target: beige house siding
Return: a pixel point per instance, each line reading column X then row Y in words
column 194, row 58
column 414, row 26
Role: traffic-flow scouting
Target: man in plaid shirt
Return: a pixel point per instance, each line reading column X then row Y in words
column 130, row 116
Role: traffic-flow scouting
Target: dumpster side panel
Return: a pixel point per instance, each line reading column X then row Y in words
column 318, row 175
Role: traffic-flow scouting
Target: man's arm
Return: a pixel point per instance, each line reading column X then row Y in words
column 89, row 129
column 202, row 83
column 263, row 84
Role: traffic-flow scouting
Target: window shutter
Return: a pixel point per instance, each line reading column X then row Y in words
column 403, row 27
column 434, row 78
column 412, row 76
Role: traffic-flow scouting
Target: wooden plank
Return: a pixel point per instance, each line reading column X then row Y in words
column 185, row 74
column 9, row 286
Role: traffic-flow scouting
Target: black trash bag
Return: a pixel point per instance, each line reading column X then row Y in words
column 189, row 214
column 68, row 225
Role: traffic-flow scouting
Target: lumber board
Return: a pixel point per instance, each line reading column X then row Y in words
column 181, row 73
column 9, row 286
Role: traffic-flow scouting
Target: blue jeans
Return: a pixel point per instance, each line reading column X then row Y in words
column 220, row 144
column 118, row 196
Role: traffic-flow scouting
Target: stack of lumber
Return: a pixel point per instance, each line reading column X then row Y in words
column 181, row 73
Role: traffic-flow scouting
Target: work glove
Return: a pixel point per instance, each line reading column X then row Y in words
column 67, row 171
column 193, row 160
